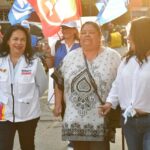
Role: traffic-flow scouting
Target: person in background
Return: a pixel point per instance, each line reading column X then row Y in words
column 106, row 29
column 34, row 38
column 69, row 42
column 131, row 88
column 22, row 82
column 44, row 53
column 82, row 125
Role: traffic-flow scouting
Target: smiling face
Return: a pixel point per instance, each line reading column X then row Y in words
column 17, row 43
column 90, row 37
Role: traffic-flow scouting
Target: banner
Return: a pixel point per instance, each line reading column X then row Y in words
column 111, row 10
column 21, row 10
column 101, row 7
column 53, row 13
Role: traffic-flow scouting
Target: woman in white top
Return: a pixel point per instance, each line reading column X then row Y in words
column 131, row 89
column 22, row 82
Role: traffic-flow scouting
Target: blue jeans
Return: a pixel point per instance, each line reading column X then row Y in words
column 137, row 133
column 26, row 132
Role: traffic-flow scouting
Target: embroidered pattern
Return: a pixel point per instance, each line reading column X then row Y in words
column 81, row 120
column 83, row 96
column 87, row 130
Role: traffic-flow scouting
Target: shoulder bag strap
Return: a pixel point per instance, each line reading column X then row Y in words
column 92, row 80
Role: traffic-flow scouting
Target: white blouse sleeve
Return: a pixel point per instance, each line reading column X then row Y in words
column 114, row 92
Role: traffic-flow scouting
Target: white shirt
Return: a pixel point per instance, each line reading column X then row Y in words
column 132, row 86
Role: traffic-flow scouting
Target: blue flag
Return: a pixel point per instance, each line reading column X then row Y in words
column 20, row 11
column 101, row 6
column 110, row 10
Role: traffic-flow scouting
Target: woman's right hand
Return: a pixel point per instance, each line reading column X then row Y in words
column 57, row 110
column 104, row 109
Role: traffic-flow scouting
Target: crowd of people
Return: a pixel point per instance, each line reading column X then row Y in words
column 89, row 80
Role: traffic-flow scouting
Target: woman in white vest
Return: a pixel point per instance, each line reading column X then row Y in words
column 22, row 82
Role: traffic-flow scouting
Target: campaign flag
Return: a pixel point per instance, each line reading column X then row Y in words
column 111, row 10
column 20, row 10
column 79, row 7
column 53, row 13
column 101, row 6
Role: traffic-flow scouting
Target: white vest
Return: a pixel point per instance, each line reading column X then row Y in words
column 23, row 87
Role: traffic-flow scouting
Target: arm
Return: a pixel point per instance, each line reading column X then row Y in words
column 113, row 96
column 112, row 99
column 58, row 90
column 49, row 59
column 58, row 101
column 41, row 78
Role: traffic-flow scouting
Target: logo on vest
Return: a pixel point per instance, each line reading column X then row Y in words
column 26, row 72
column 3, row 70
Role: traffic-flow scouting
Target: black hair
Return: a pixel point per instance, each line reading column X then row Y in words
column 5, row 49
column 140, row 35
column 95, row 25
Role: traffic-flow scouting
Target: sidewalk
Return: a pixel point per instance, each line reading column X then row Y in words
column 48, row 133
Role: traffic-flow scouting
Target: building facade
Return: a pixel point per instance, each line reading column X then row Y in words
column 4, row 9
column 140, row 8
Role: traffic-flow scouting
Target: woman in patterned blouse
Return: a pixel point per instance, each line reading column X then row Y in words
column 81, row 123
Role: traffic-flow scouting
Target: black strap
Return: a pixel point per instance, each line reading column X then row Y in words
column 92, row 81
column 58, row 43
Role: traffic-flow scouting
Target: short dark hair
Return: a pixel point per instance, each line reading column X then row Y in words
column 4, row 48
column 94, row 24
column 140, row 35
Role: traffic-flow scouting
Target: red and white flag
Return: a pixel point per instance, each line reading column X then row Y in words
column 53, row 13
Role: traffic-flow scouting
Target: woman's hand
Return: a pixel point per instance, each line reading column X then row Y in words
column 58, row 101
column 57, row 110
column 104, row 109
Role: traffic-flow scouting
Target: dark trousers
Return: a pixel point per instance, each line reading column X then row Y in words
column 26, row 132
column 91, row 145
